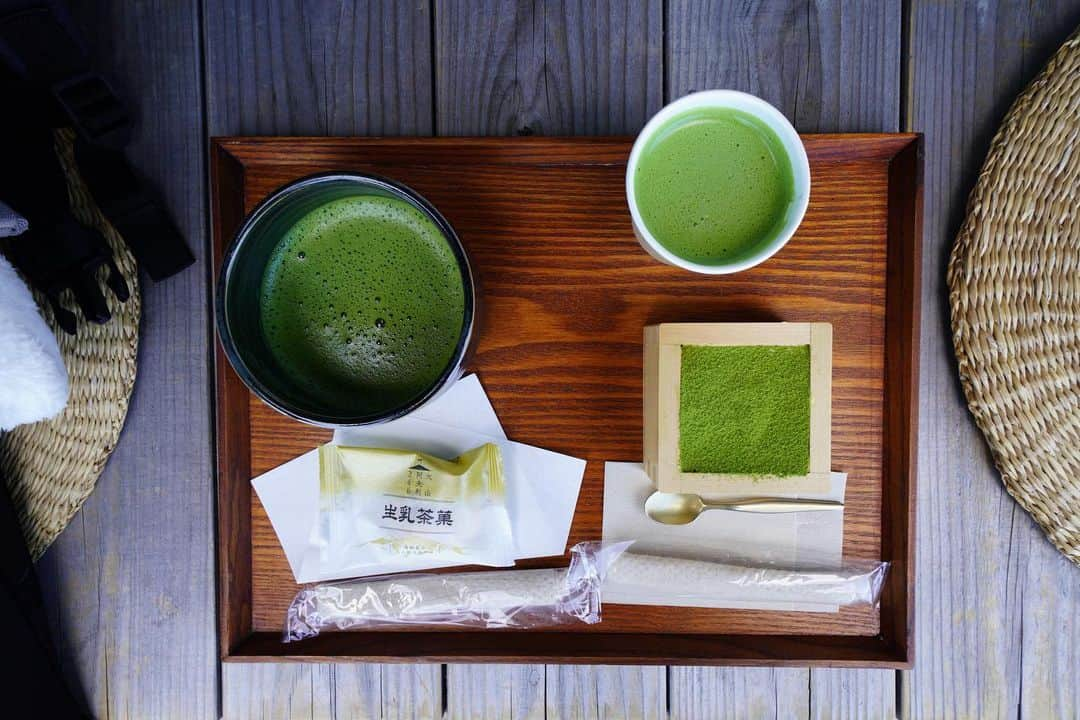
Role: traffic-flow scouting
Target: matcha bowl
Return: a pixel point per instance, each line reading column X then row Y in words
column 346, row 299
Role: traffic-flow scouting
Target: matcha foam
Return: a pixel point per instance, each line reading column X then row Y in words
column 745, row 410
column 714, row 184
column 363, row 302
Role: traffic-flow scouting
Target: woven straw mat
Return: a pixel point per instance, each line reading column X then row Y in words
column 51, row 466
column 1014, row 288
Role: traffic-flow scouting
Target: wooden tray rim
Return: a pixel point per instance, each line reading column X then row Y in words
column 892, row 648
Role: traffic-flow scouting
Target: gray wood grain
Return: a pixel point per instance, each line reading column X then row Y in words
column 861, row 694
column 985, row 574
column 572, row 67
column 130, row 583
column 264, row 691
column 269, row 691
column 408, row 691
column 830, row 66
column 291, row 67
column 737, row 693
column 359, row 690
column 584, row 692
column 495, row 692
column 1050, row 646
column 519, row 692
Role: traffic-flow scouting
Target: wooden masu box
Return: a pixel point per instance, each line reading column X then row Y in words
column 662, row 383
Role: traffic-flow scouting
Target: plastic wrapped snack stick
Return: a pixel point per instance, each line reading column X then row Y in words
column 692, row 582
column 491, row 599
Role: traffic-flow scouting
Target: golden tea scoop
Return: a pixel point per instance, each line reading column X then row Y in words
column 683, row 508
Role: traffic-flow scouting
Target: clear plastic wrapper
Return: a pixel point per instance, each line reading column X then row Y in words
column 491, row 599
column 699, row 583
column 386, row 510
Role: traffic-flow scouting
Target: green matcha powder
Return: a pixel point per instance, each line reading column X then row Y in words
column 745, row 410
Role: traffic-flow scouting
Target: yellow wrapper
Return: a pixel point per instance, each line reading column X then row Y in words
column 384, row 510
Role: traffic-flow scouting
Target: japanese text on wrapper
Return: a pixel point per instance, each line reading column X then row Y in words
column 405, row 513
column 418, row 485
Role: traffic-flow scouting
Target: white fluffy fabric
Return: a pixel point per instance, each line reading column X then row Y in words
column 33, row 379
column 11, row 222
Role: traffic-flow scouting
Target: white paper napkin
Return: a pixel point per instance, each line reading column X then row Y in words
column 804, row 539
column 542, row 486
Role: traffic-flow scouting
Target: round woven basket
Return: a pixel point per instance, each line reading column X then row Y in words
column 51, row 466
column 1014, row 282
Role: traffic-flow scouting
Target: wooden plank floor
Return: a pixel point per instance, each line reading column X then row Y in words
column 130, row 583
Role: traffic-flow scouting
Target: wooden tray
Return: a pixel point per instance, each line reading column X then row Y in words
column 566, row 293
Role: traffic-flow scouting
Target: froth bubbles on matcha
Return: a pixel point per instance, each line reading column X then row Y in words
column 363, row 301
column 714, row 184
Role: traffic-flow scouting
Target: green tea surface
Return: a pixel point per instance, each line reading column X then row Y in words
column 363, row 303
column 745, row 410
column 713, row 185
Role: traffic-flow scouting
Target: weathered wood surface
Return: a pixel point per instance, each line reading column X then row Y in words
column 318, row 67
column 130, row 582
column 569, row 67
column 274, row 690
column 993, row 598
column 495, row 692
column 830, row 66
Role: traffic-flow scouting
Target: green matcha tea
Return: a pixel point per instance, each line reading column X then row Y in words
column 713, row 185
column 745, row 410
column 363, row 302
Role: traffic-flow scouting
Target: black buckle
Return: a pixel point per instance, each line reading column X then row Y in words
column 133, row 210
column 45, row 54
column 95, row 111
column 153, row 239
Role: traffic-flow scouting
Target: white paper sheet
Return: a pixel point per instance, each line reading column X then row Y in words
column 804, row 539
column 542, row 486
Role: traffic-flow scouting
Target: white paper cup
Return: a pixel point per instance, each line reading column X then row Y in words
column 766, row 113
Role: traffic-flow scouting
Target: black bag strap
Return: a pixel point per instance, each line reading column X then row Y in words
column 33, row 686
column 49, row 66
column 46, row 55
column 131, row 206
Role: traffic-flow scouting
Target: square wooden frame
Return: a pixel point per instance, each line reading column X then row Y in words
column 662, row 368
